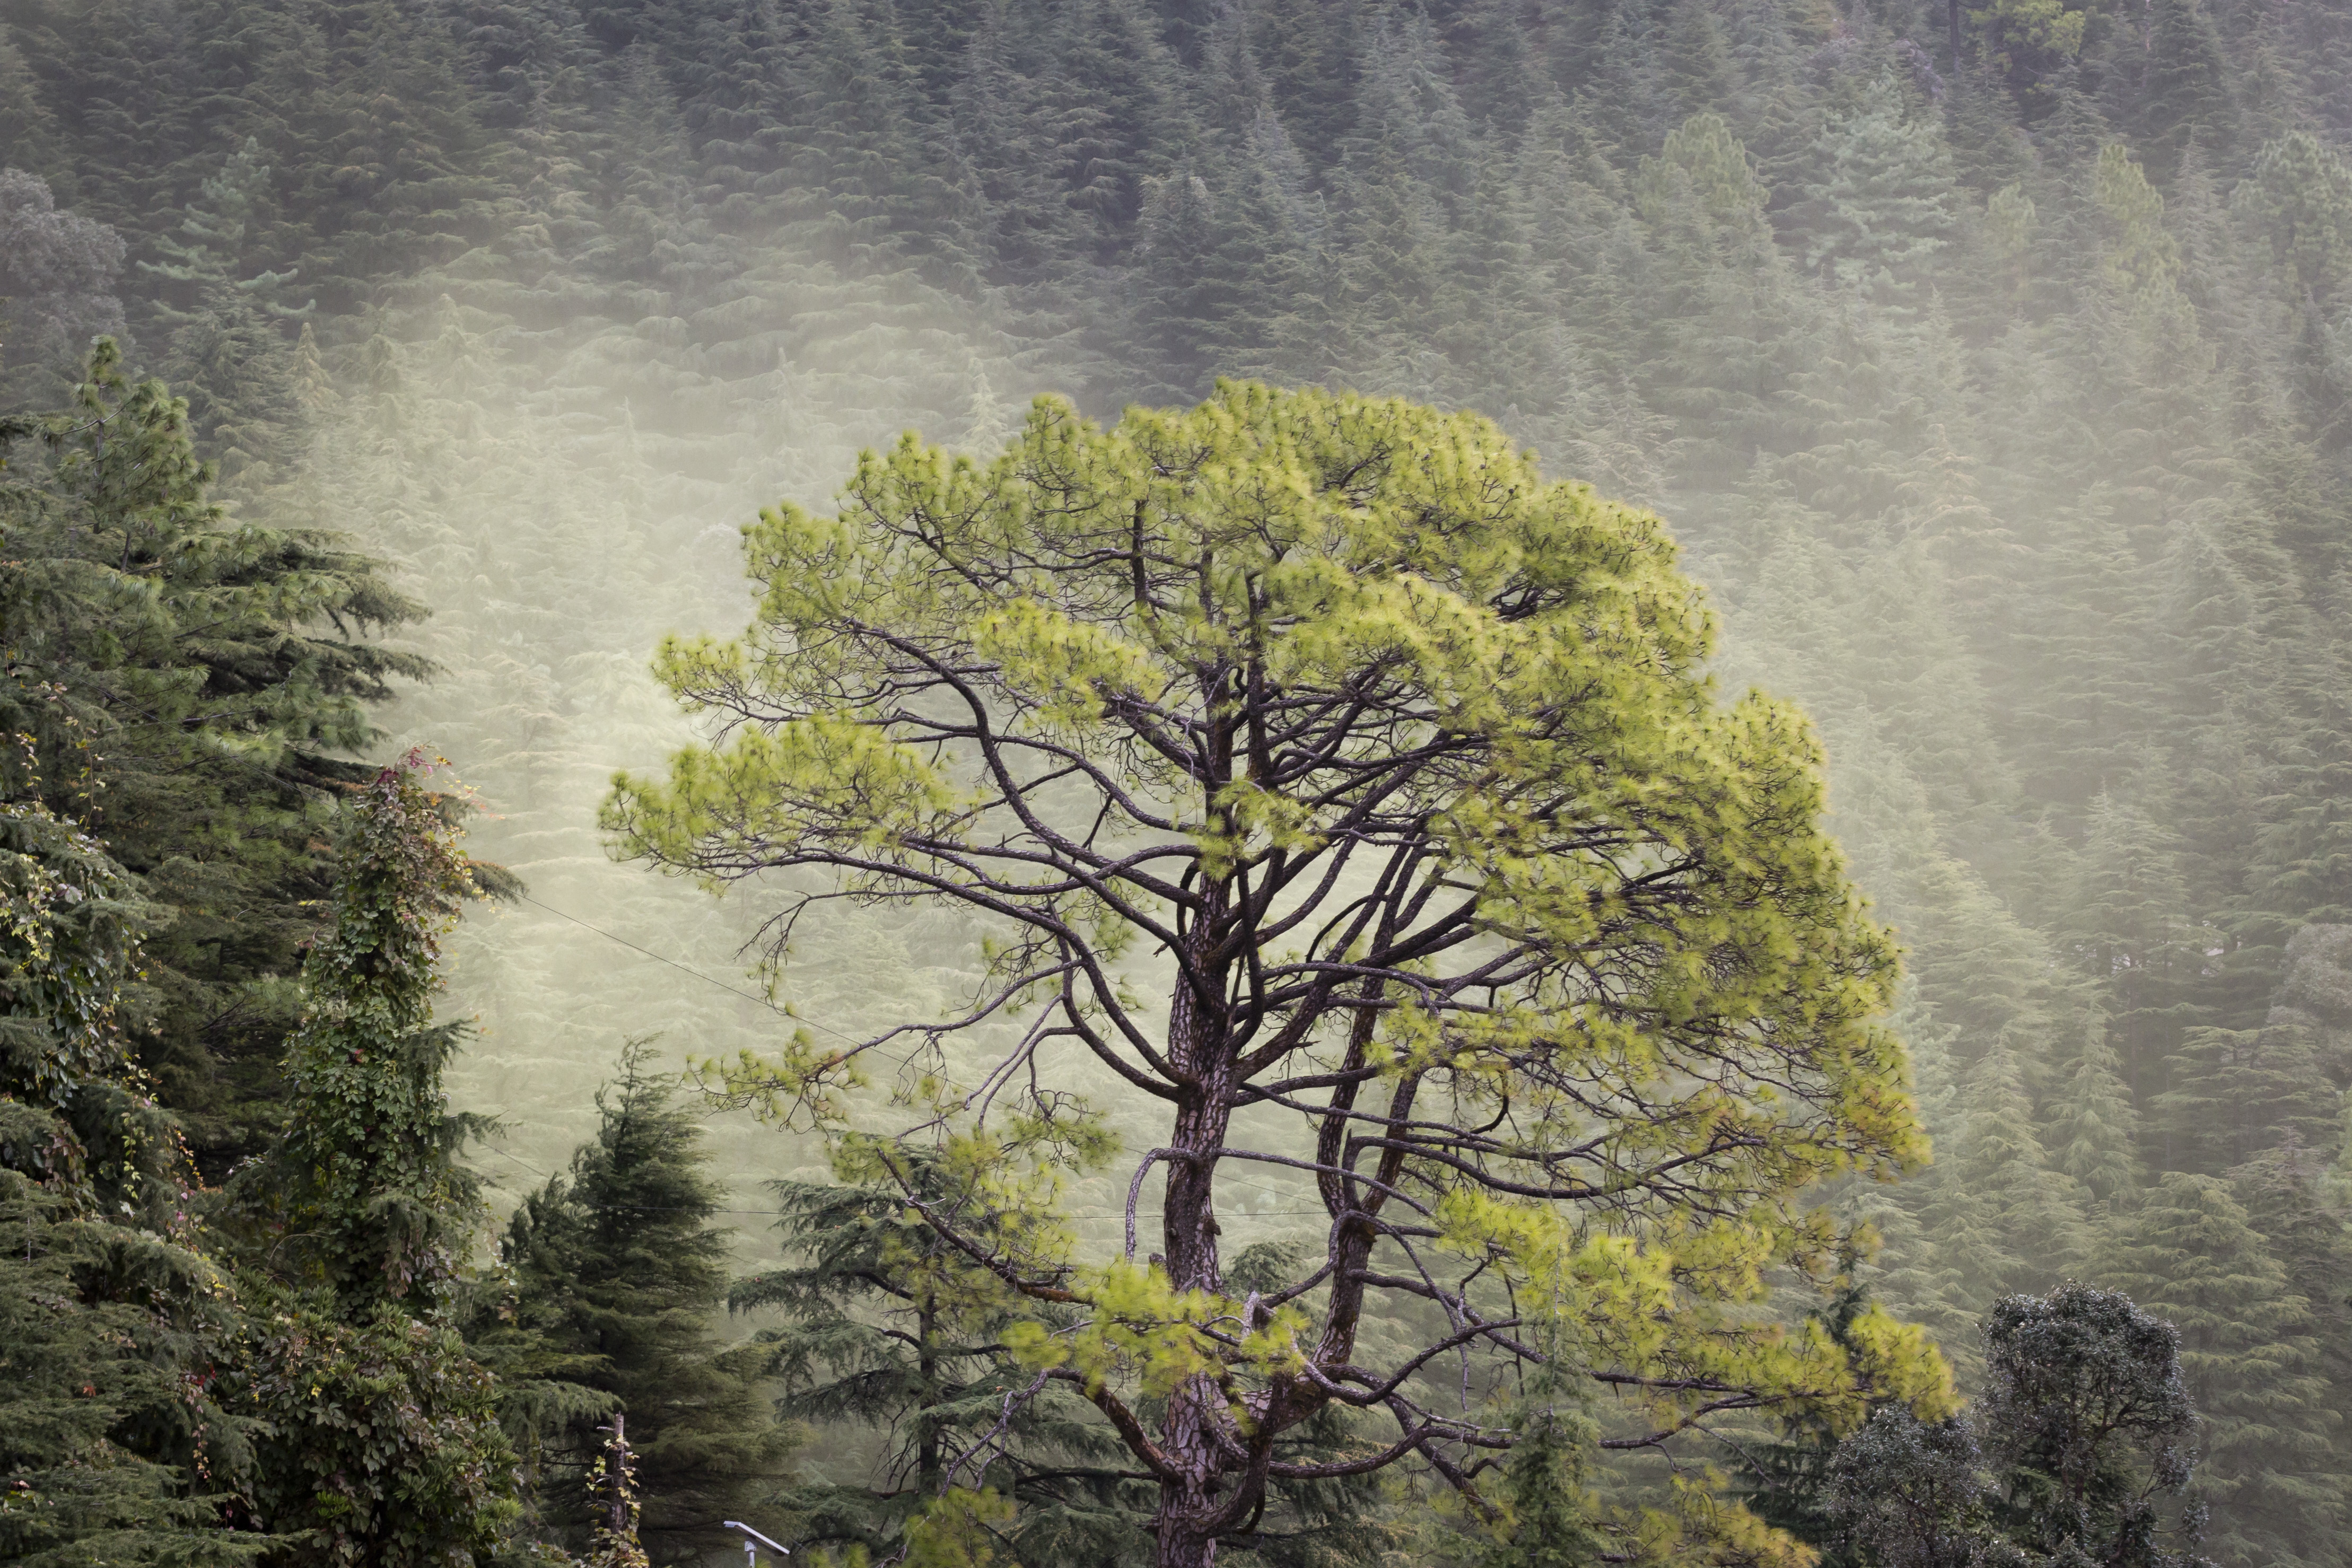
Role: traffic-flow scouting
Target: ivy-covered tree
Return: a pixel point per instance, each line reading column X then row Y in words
column 114, row 1442
column 192, row 684
column 1403, row 757
column 380, row 1443
column 75, row 1112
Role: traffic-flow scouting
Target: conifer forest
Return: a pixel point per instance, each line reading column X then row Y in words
column 1133, row 783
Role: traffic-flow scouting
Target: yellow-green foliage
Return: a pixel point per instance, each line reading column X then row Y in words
column 960, row 1529
column 2019, row 34
column 2141, row 254
column 1409, row 757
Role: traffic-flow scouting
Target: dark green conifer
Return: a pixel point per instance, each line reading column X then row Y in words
column 1187, row 295
column 1307, row 50
column 2095, row 1133
column 619, row 1271
column 1547, row 1521
column 212, row 678
column 1793, row 1471
column 2184, row 94
column 1699, row 77
column 895, row 1343
column 28, row 129
column 206, row 266
column 2249, row 1358
column 1498, row 65
column 114, row 1447
column 2286, row 1197
column 2301, row 201
column 2231, row 1094
column 2128, row 922
column 1884, row 202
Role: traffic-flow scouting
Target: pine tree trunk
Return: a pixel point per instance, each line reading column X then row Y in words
column 1187, row 1503
column 1200, row 1045
column 1182, row 1545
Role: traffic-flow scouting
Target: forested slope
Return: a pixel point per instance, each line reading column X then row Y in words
column 2003, row 403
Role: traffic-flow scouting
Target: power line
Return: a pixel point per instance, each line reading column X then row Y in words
column 706, row 979
column 770, row 1214
column 811, row 1024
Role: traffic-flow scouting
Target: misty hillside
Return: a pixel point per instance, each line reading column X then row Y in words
column 1990, row 368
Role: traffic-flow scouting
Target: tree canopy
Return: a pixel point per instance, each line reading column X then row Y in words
column 1313, row 753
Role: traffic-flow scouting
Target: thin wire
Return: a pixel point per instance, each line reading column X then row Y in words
column 810, row 1023
column 770, row 1214
column 271, row 777
column 519, row 1160
column 706, row 979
